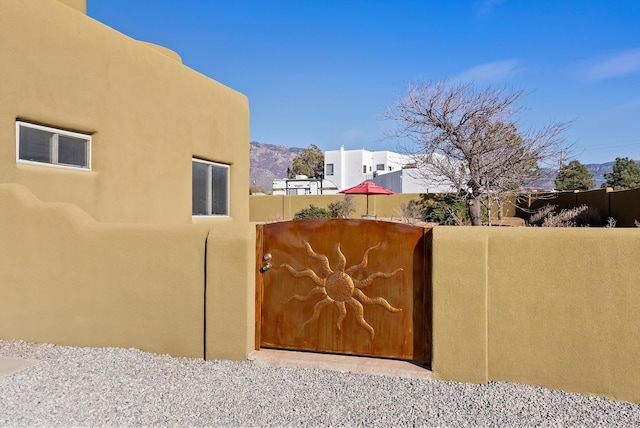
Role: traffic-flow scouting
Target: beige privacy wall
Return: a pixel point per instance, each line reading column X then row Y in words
column 556, row 307
column 69, row 280
column 284, row 207
column 66, row 279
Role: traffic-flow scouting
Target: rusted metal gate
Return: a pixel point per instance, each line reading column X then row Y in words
column 344, row 286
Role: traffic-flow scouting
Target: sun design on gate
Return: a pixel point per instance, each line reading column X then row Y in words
column 341, row 287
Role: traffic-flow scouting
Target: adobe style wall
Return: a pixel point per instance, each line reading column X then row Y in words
column 67, row 279
column 147, row 113
column 284, row 207
column 555, row 307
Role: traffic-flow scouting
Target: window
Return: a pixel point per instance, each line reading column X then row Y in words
column 364, row 169
column 51, row 146
column 329, row 169
column 210, row 188
column 380, row 167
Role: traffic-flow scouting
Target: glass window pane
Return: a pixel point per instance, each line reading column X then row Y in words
column 72, row 151
column 219, row 190
column 199, row 188
column 35, row 145
column 329, row 169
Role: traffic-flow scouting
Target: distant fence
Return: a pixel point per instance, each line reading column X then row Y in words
column 283, row 207
column 621, row 205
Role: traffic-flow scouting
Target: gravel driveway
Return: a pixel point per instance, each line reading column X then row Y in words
column 127, row 387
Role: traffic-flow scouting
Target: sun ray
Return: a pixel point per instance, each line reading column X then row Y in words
column 357, row 307
column 317, row 309
column 339, row 287
column 366, row 282
column 307, row 272
column 343, row 314
column 342, row 260
column 312, row 292
column 324, row 261
column 380, row 301
column 365, row 260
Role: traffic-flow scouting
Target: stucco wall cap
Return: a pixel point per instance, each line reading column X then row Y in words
column 165, row 51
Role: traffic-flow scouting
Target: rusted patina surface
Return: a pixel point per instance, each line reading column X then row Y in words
column 344, row 286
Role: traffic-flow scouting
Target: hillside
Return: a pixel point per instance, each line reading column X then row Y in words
column 598, row 170
column 269, row 162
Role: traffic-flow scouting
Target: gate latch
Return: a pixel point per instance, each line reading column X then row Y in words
column 265, row 267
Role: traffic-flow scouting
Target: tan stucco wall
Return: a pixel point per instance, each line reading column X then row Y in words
column 284, row 207
column 79, row 5
column 147, row 113
column 66, row 279
column 230, row 298
column 557, row 308
column 552, row 307
column 459, row 294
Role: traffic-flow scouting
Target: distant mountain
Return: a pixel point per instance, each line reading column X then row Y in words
column 269, row 162
column 597, row 169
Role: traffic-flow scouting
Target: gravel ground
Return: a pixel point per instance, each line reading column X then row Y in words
column 128, row 387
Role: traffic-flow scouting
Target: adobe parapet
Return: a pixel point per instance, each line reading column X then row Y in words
column 79, row 5
column 165, row 51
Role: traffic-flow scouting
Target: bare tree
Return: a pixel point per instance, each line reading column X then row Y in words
column 344, row 207
column 470, row 139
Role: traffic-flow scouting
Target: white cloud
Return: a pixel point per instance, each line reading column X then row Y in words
column 498, row 70
column 617, row 65
column 486, row 6
column 489, row 3
column 630, row 105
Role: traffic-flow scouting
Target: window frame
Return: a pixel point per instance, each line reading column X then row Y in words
column 54, row 147
column 211, row 164
column 330, row 166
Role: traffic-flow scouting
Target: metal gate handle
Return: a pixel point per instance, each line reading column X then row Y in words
column 265, row 267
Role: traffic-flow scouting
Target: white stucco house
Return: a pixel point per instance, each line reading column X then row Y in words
column 395, row 171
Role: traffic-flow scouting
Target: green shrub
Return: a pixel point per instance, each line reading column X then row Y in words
column 448, row 210
column 312, row 212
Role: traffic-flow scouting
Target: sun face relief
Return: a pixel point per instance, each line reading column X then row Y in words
column 339, row 286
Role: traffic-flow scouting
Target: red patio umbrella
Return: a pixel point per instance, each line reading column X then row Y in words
column 367, row 188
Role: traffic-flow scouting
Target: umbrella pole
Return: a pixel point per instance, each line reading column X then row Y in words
column 367, row 206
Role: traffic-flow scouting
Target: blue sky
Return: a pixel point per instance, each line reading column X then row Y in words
column 322, row 71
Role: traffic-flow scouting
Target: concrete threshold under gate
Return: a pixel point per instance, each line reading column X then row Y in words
column 339, row 363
